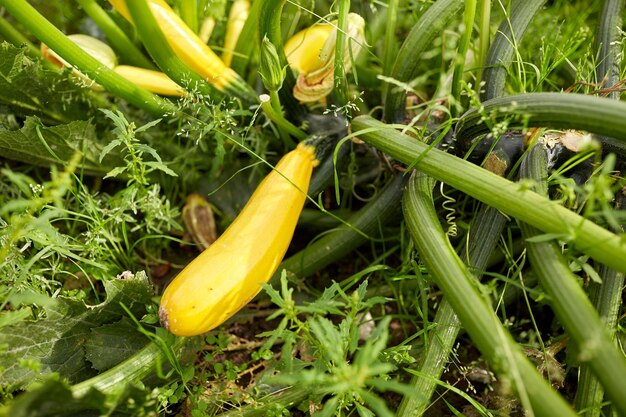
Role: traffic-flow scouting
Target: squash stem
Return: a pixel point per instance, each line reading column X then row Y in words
column 509, row 197
column 340, row 71
column 277, row 117
column 569, row 302
column 476, row 315
column 131, row 370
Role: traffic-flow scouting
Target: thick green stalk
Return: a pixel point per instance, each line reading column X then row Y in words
column 341, row 83
column 598, row 115
column 483, row 237
column 461, row 54
column 421, row 37
column 607, row 41
column 502, row 194
column 156, row 44
column 131, row 370
column 504, row 46
column 189, row 14
column 124, row 46
column 476, row 315
column 46, row 32
column 571, row 306
column 607, row 299
column 336, row 244
column 12, row 35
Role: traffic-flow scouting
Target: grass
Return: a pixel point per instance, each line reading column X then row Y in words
column 467, row 259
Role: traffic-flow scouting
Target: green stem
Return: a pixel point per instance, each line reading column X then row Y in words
column 571, row 306
column 476, row 315
column 131, row 370
column 122, row 44
column 46, row 32
column 461, row 55
column 598, row 115
column 158, row 47
column 12, row 35
column 607, row 299
column 390, row 45
column 607, row 41
column 483, row 237
column 442, row 335
column 484, row 18
column 419, row 39
column 341, row 90
column 277, row 117
column 189, row 14
column 504, row 195
column 275, row 100
column 504, row 46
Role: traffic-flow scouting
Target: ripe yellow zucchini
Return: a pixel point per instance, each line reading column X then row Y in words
column 226, row 276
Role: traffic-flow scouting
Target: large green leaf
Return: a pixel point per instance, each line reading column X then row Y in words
column 37, row 144
column 58, row 343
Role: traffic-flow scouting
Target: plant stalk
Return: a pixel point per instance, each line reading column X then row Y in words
column 475, row 313
column 568, row 300
column 504, row 195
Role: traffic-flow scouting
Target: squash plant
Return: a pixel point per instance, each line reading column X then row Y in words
column 330, row 208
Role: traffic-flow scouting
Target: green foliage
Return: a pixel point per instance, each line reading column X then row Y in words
column 92, row 186
column 63, row 341
column 27, row 87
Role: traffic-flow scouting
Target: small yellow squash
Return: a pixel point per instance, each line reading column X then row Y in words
column 227, row 275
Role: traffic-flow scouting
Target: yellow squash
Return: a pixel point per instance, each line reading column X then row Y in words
column 227, row 275
column 186, row 44
column 154, row 81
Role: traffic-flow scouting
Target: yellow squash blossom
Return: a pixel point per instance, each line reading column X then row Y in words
column 312, row 53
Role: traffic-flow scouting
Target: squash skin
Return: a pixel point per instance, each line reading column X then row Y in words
column 227, row 275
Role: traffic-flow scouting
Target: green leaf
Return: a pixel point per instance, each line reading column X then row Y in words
column 28, row 88
column 161, row 167
column 115, row 172
column 111, row 343
column 58, row 342
column 37, row 144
